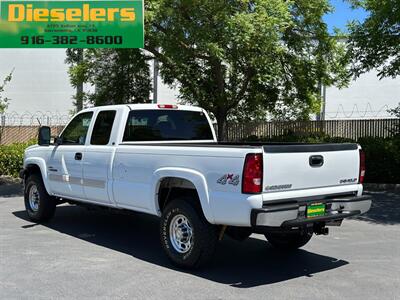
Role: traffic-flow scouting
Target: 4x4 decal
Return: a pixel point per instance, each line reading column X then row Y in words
column 229, row 178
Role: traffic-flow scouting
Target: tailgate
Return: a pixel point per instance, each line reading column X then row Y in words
column 307, row 166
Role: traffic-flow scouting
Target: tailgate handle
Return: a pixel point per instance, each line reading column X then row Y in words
column 316, row 161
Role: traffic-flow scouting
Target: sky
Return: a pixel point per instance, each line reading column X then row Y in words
column 342, row 15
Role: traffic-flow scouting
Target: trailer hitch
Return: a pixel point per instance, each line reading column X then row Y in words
column 321, row 229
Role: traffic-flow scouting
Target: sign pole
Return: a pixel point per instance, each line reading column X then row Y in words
column 155, row 80
column 79, row 86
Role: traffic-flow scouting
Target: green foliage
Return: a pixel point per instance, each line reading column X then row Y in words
column 382, row 159
column 11, row 158
column 382, row 154
column 119, row 75
column 374, row 44
column 4, row 100
column 240, row 58
column 78, row 71
column 291, row 137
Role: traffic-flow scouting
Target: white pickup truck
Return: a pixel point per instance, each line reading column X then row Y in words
column 165, row 160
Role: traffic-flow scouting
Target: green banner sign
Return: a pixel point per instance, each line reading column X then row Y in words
column 71, row 24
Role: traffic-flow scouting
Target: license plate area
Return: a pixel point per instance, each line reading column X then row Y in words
column 316, row 210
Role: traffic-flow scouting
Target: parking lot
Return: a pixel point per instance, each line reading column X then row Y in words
column 86, row 254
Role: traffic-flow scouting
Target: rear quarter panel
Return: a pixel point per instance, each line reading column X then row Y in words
column 135, row 167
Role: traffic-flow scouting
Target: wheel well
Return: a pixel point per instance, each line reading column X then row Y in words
column 173, row 187
column 32, row 169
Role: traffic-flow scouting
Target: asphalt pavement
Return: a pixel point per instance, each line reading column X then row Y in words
column 83, row 254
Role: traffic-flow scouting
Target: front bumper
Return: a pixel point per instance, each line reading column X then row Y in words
column 291, row 213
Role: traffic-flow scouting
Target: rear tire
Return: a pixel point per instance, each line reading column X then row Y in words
column 187, row 238
column 39, row 205
column 289, row 241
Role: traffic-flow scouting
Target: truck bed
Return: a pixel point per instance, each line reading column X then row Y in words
column 268, row 147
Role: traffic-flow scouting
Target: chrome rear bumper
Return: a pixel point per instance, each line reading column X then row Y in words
column 291, row 213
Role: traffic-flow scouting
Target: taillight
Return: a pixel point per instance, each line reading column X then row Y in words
column 362, row 167
column 252, row 174
column 167, row 106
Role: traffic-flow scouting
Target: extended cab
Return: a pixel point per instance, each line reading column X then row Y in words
column 165, row 160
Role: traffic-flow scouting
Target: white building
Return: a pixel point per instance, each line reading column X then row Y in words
column 365, row 98
column 40, row 86
column 40, row 82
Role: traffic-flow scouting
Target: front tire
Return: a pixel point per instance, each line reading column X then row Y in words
column 39, row 205
column 187, row 238
column 289, row 241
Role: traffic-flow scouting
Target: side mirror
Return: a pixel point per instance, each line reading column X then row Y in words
column 44, row 136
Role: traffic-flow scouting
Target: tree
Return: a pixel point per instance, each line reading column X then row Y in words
column 78, row 75
column 375, row 43
column 236, row 58
column 118, row 75
column 4, row 100
column 243, row 57
column 396, row 111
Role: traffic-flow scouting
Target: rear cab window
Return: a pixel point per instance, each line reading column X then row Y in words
column 102, row 127
column 167, row 125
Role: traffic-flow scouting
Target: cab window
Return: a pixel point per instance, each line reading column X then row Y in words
column 76, row 131
column 102, row 128
column 166, row 125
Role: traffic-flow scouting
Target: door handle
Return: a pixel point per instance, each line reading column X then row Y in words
column 51, row 169
column 78, row 156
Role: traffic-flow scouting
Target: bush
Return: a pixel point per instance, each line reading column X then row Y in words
column 303, row 138
column 382, row 158
column 11, row 158
column 382, row 155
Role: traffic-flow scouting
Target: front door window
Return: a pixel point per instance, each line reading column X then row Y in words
column 76, row 131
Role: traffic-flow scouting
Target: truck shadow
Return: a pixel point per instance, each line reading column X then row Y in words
column 385, row 208
column 239, row 264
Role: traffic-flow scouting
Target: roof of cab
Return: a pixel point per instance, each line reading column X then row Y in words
column 156, row 106
column 145, row 106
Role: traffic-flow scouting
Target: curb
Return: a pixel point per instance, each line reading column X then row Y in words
column 7, row 180
column 381, row 187
column 10, row 187
column 11, row 190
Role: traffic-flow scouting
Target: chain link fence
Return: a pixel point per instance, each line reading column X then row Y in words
column 349, row 129
column 24, row 127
